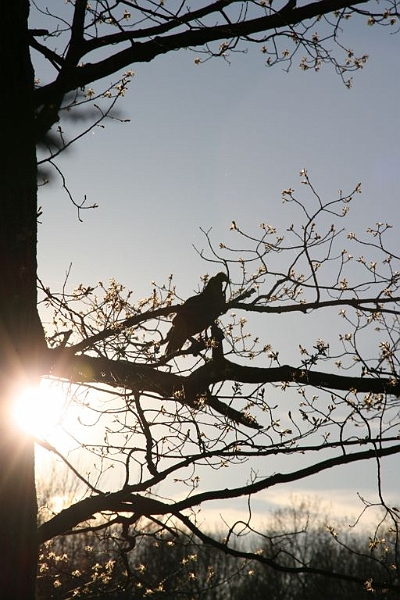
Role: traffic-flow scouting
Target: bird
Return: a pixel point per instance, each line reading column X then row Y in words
column 197, row 313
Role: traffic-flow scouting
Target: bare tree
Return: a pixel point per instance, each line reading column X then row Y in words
column 183, row 413
column 225, row 399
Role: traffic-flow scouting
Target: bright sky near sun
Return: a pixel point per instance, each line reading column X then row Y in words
column 208, row 144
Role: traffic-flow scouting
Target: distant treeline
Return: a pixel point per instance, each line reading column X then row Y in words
column 143, row 564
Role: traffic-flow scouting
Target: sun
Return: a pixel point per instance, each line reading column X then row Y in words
column 39, row 410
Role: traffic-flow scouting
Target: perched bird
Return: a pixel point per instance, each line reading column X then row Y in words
column 197, row 313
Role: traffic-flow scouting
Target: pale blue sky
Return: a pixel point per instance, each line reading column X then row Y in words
column 211, row 143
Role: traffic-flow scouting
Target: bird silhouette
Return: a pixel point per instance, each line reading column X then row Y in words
column 197, row 313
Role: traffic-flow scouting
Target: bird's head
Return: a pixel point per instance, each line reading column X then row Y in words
column 220, row 277
column 215, row 283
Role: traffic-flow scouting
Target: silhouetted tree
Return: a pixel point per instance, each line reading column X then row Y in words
column 84, row 43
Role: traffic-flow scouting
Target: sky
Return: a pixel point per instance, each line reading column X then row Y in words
column 211, row 143
column 214, row 142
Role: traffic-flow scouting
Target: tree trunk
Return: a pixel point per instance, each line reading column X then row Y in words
column 21, row 335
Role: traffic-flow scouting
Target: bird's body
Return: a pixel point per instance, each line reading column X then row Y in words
column 197, row 313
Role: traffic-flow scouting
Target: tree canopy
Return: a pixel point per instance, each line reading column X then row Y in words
column 224, row 400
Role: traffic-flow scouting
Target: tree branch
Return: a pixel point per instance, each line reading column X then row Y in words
column 226, row 370
column 281, row 478
column 308, row 306
column 147, row 51
column 125, row 501
column 84, row 510
column 194, row 388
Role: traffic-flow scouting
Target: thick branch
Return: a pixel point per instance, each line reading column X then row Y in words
column 76, row 45
column 225, row 370
column 84, row 510
column 193, row 388
column 114, row 373
column 147, row 51
column 126, row 502
column 140, row 378
column 280, row 478
column 146, row 378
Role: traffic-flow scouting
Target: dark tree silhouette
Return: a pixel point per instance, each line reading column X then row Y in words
column 187, row 419
column 169, row 415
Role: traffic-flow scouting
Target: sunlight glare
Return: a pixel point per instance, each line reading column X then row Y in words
column 38, row 410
